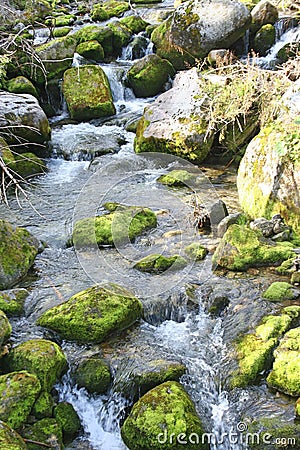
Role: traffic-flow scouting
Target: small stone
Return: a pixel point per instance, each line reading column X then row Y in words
column 263, row 225
column 226, row 222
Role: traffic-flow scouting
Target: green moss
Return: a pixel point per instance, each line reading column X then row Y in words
column 177, row 178
column 115, row 8
column 45, row 431
column 121, row 36
column 164, row 410
column 286, row 368
column 241, row 248
column 68, row 419
column 264, row 39
column 157, row 263
column 124, row 224
column 61, row 32
column 297, row 408
column 279, row 291
column 63, row 21
column 99, row 13
column 27, row 165
column 43, row 406
column 196, row 251
column 9, row 439
column 135, row 24
column 18, row 390
column 87, row 93
column 43, row 358
column 275, row 433
column 285, row 267
column 94, row 375
column 103, row 35
column 295, row 278
column 91, row 50
column 21, row 85
column 93, row 314
column 5, row 328
column 12, row 302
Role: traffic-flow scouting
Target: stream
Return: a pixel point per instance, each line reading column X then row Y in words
column 93, row 163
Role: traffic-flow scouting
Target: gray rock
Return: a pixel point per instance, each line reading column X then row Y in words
column 226, row 222
column 262, row 14
column 283, row 236
column 217, row 212
column 263, row 225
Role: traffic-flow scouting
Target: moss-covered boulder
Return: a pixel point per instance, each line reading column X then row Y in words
column 177, row 178
column 148, row 76
column 157, row 263
column 280, row 291
column 68, row 419
column 18, row 391
column 91, row 50
column 63, row 21
column 18, row 249
column 263, row 13
column 135, row 23
column 120, row 226
column 41, row 357
column 159, row 417
column 61, row 32
column 107, row 9
column 196, row 251
column 46, row 431
column 5, row 328
column 255, row 351
column 92, row 315
column 297, row 408
column 43, row 406
column 21, row 85
column 276, row 432
column 10, row 439
column 102, row 34
column 12, row 301
column 87, row 93
column 121, row 36
column 27, row 165
column 264, row 39
column 286, row 368
column 241, row 248
column 98, row 13
column 93, row 374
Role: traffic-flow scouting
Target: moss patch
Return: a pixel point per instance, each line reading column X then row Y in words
column 103, row 35
column 91, row 50
column 196, row 251
column 46, row 431
column 43, row 406
column 27, row 165
column 94, row 375
column 157, row 263
column 68, row 419
column 12, row 301
column 9, row 439
column 135, row 24
column 279, row 291
column 5, row 328
column 177, row 178
column 21, row 85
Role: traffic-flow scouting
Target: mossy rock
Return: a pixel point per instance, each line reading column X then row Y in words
column 264, row 39
column 98, row 13
column 91, row 50
column 61, row 31
column 92, row 315
column 18, row 249
column 87, row 93
column 286, row 368
column 63, row 21
column 280, row 291
column 255, row 351
column 125, row 223
column 287, row 52
column 41, row 357
column 12, row 301
column 297, row 408
column 295, row 278
column 135, row 24
column 274, row 433
column 21, row 85
column 241, row 248
column 115, row 8
column 196, row 251
column 19, row 391
column 68, row 419
column 102, row 34
column 285, row 268
column 163, row 412
column 27, row 165
column 121, row 36
column 177, row 178
column 10, row 439
column 46, row 431
column 148, row 75
column 93, row 374
column 5, row 328
column 156, row 263
column 43, row 406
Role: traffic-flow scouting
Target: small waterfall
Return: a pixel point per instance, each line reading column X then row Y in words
column 138, row 47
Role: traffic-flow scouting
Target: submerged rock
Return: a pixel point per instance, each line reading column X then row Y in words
column 93, row 374
column 178, row 178
column 156, row 263
column 92, row 315
column 12, row 301
column 10, row 439
column 159, row 417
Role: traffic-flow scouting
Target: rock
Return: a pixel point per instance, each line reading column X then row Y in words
column 21, row 85
column 61, row 32
column 136, row 48
column 297, row 408
column 43, row 358
column 148, row 76
column 217, row 211
column 159, row 416
column 295, row 278
column 168, row 124
column 68, row 419
column 93, row 374
column 278, row 432
column 263, row 225
column 18, row 390
column 112, row 8
column 283, row 236
column 63, row 21
column 23, row 122
column 98, row 13
column 226, row 222
column 178, row 178
column 115, row 228
column 12, row 301
column 264, row 39
column 92, row 315
column 269, row 174
column 10, row 439
column 195, row 28
column 280, row 291
column 262, row 14
column 135, row 24
column 28, row 165
column 196, row 251
column 121, row 36
column 285, row 372
column 5, row 328
column 87, row 93
column 43, row 406
column 102, row 34
column 17, row 253
column 215, row 57
column 241, row 248
column 46, row 431
column 156, row 263
column 91, row 50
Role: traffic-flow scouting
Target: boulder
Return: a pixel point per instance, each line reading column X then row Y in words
column 102, row 34
column 12, row 301
column 68, row 419
column 5, row 328
column 93, row 374
column 148, row 76
column 263, row 13
column 195, row 28
column 280, row 291
column 108, row 9
column 91, row 50
column 178, row 178
column 43, row 406
column 28, row 165
column 18, row 391
column 269, row 174
column 121, row 36
column 21, row 85
column 41, row 357
column 264, row 39
column 10, row 439
column 227, row 221
column 159, row 417
column 92, row 315
column 61, row 31
column 87, row 93
column 135, row 23
column 285, row 372
column 23, row 122
column 46, row 431
column 18, row 250
column 241, row 248
column 156, row 263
